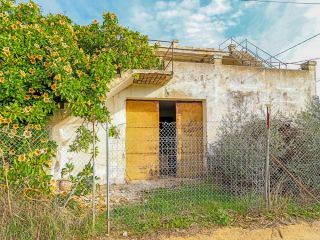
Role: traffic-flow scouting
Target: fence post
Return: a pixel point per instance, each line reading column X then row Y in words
column 93, row 176
column 107, row 179
column 267, row 163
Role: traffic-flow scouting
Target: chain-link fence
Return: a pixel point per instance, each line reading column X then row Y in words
column 180, row 175
column 22, row 143
column 26, row 153
column 175, row 175
column 295, row 159
column 171, row 175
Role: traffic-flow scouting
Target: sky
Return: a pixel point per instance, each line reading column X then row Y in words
column 207, row 23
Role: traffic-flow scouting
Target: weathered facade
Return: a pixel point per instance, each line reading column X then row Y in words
column 202, row 86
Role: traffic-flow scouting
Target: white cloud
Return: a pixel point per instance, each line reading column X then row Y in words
column 161, row 5
column 289, row 26
column 216, row 7
column 187, row 20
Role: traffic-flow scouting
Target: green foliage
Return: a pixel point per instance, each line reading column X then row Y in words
column 200, row 205
column 241, row 142
column 82, row 141
column 303, row 141
column 307, row 211
column 46, row 61
column 82, row 182
column 67, row 170
column 238, row 157
column 114, row 132
column 27, row 151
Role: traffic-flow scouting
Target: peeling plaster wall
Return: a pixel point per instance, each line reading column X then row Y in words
column 218, row 86
column 64, row 132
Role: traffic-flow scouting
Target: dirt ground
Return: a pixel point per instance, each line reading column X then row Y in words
column 301, row 231
column 128, row 193
column 132, row 192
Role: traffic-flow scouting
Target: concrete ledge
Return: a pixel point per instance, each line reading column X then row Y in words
column 139, row 77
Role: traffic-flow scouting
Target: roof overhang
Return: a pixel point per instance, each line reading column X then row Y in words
column 138, row 77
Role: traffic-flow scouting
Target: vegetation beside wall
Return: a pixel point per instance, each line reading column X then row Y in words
column 48, row 62
column 237, row 159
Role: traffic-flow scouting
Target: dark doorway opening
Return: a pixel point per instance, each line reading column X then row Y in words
column 168, row 143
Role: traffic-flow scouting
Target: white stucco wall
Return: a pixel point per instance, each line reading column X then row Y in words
column 218, row 86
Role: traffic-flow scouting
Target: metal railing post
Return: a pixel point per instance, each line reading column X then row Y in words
column 246, row 45
column 172, row 56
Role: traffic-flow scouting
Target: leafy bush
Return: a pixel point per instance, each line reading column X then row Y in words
column 49, row 60
column 26, row 154
column 302, row 148
column 237, row 158
column 46, row 62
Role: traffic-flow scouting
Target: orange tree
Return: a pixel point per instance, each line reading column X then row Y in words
column 46, row 61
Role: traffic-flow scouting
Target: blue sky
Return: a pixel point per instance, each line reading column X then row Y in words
column 206, row 23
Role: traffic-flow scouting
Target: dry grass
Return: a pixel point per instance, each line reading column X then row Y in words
column 39, row 218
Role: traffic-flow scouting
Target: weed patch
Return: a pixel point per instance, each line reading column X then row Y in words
column 180, row 208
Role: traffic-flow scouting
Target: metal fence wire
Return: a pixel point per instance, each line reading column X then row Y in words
column 295, row 161
column 182, row 175
column 171, row 175
column 18, row 141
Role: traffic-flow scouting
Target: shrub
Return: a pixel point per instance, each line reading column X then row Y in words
column 48, row 61
column 26, row 154
column 303, row 148
column 237, row 158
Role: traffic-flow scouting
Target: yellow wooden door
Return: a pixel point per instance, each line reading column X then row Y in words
column 142, row 140
column 189, row 139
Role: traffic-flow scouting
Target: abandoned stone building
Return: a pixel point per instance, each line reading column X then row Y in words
column 194, row 90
